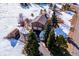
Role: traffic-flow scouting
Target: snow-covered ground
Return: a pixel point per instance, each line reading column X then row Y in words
column 9, row 14
column 7, row 50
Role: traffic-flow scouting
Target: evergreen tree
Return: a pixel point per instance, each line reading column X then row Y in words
column 32, row 46
column 59, row 51
column 54, row 21
column 51, row 39
column 32, row 14
column 66, row 7
column 51, row 6
column 61, row 42
column 54, row 18
column 57, row 45
column 24, row 5
column 47, row 30
column 60, row 47
column 54, row 7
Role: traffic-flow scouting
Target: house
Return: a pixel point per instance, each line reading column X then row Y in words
column 14, row 34
column 39, row 22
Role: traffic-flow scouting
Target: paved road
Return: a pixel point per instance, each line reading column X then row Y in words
column 43, row 49
column 76, row 32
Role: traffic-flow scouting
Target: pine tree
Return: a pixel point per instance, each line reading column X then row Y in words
column 54, row 7
column 54, row 18
column 61, row 42
column 60, row 48
column 32, row 46
column 51, row 39
column 51, row 6
column 57, row 45
column 47, row 30
column 24, row 5
column 66, row 7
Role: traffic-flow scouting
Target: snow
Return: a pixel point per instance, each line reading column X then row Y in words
column 7, row 50
column 64, row 28
column 59, row 31
column 65, row 16
column 50, row 13
column 59, row 6
column 67, row 24
column 70, row 13
column 23, row 30
column 5, row 30
column 33, row 9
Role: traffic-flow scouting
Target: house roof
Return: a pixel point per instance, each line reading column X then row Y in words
column 41, row 19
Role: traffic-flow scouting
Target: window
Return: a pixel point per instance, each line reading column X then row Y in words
column 39, row 28
column 35, row 28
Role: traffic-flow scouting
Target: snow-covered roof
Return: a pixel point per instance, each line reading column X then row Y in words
column 41, row 19
column 59, row 6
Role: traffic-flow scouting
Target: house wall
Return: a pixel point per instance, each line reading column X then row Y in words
column 37, row 26
column 13, row 34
